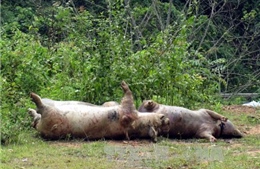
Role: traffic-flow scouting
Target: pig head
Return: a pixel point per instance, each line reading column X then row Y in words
column 148, row 125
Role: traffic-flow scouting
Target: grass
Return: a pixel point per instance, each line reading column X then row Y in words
column 37, row 153
column 31, row 152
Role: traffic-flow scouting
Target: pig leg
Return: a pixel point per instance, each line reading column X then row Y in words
column 127, row 135
column 153, row 133
column 37, row 100
column 216, row 116
column 35, row 115
column 125, row 88
column 127, row 102
column 208, row 136
column 127, row 107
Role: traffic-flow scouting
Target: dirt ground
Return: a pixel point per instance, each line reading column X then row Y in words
column 241, row 109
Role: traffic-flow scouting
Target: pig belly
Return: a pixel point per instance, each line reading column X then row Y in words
column 93, row 123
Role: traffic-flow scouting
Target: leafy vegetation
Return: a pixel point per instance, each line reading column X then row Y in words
column 180, row 52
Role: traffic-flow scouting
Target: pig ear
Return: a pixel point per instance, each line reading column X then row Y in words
column 36, row 99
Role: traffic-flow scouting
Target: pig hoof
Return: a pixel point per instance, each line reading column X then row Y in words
column 31, row 112
column 212, row 139
column 224, row 119
column 124, row 86
column 127, row 135
column 155, row 140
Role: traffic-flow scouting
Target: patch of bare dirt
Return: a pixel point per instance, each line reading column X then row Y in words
column 254, row 130
column 78, row 143
column 70, row 144
column 236, row 145
column 136, row 142
column 241, row 109
column 254, row 152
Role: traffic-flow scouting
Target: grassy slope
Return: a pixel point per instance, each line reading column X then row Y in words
column 33, row 152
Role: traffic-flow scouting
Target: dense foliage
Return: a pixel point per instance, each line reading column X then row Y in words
column 177, row 52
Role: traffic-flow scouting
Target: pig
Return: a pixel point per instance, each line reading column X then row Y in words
column 185, row 123
column 147, row 125
column 84, row 121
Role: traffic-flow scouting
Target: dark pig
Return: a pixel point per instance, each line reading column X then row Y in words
column 185, row 123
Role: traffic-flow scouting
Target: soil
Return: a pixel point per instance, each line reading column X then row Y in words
column 70, row 144
column 254, row 130
column 241, row 109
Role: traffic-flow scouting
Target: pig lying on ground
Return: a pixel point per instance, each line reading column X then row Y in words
column 90, row 122
column 185, row 123
column 56, row 119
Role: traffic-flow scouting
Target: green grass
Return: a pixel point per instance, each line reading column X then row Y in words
column 31, row 152
column 37, row 153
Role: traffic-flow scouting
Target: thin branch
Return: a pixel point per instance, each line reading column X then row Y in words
column 146, row 16
column 136, row 28
column 158, row 16
column 169, row 14
column 207, row 27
